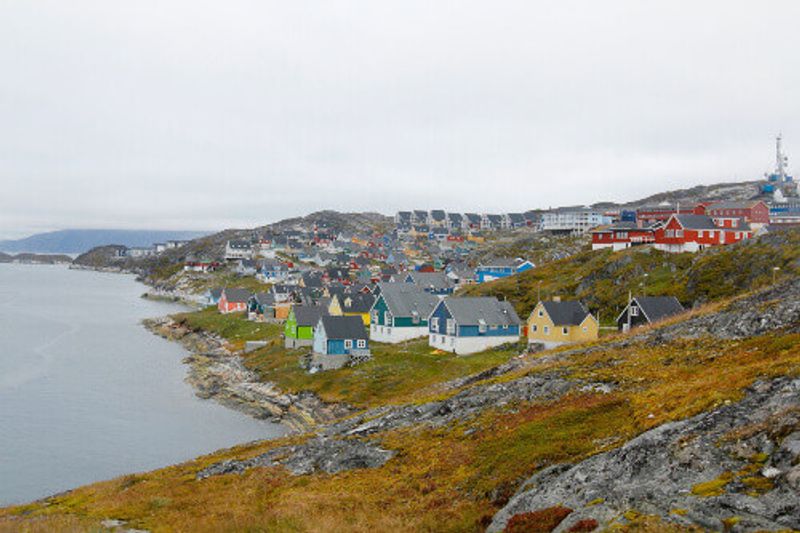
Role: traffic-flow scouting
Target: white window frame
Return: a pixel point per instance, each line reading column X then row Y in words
column 534, row 328
column 546, row 330
column 634, row 310
column 565, row 330
column 451, row 326
column 361, row 343
column 434, row 324
column 483, row 327
column 348, row 344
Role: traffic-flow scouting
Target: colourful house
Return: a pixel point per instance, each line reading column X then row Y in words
column 554, row 323
column 233, row 301
column 500, row 268
column 473, row 324
column 400, row 313
column 340, row 335
column 299, row 327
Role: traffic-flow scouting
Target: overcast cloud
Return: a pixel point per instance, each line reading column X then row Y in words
column 204, row 115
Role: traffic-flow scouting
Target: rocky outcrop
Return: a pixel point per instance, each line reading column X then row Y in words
column 345, row 443
column 767, row 310
column 462, row 406
column 218, row 373
column 735, row 467
column 315, row 455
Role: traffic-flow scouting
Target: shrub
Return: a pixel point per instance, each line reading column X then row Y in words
column 542, row 521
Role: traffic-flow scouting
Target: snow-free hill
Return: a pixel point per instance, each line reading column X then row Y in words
column 693, row 423
column 718, row 192
column 77, row 241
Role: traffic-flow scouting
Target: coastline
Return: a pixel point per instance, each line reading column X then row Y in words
column 217, row 373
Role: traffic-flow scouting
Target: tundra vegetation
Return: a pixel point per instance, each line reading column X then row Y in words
column 457, row 474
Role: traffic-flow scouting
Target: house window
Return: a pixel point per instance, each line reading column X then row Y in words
column 348, row 343
column 362, row 343
column 451, row 326
column 375, row 317
column 482, row 326
column 634, row 311
column 547, row 330
column 584, row 328
column 414, row 317
column 565, row 331
column 541, row 313
column 435, row 324
column 534, row 328
column 388, row 318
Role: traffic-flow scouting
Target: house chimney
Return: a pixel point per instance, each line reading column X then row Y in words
column 556, row 298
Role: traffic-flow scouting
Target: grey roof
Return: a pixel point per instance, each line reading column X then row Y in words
column 215, row 293
column 733, row 205
column 569, row 313
column 403, row 299
column 344, row 327
column 455, row 217
column 516, row 217
column 237, row 295
column 696, row 221
column 473, row 217
column 359, row 302
column 264, row 298
column 657, row 308
column 467, row 311
column 308, row 315
column 430, row 280
column 512, row 262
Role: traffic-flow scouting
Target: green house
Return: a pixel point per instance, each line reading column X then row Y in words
column 299, row 328
column 400, row 313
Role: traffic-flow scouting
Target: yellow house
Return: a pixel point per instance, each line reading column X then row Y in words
column 356, row 304
column 555, row 323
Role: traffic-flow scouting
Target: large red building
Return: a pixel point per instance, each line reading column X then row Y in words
column 726, row 214
column 690, row 233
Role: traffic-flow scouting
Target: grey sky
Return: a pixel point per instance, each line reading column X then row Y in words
column 204, row 115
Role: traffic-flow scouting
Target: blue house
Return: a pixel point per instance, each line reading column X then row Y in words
column 273, row 272
column 470, row 325
column 341, row 335
column 501, row 267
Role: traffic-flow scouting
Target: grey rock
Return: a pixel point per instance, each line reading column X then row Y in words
column 318, row 454
column 655, row 472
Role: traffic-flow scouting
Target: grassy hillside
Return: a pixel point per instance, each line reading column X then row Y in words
column 447, row 478
column 395, row 373
column 602, row 279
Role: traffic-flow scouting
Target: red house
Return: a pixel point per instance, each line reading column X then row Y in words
column 621, row 235
column 233, row 301
column 726, row 214
column 690, row 233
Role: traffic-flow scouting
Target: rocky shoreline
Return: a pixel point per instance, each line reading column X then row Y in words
column 218, row 373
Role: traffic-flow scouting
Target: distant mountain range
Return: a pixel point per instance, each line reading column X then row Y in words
column 78, row 241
